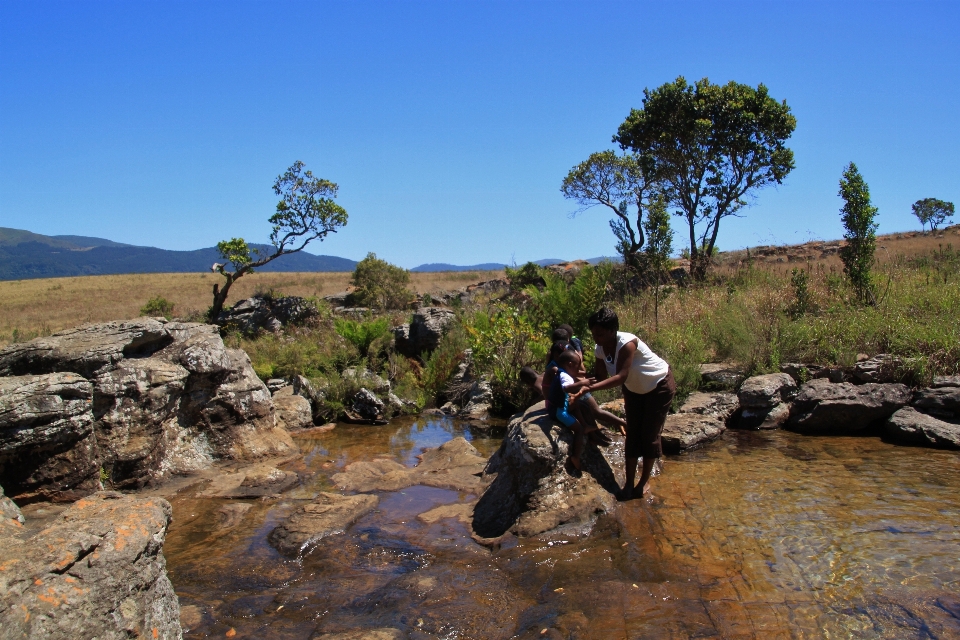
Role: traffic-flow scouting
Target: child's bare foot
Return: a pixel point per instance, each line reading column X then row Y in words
column 623, row 429
column 573, row 466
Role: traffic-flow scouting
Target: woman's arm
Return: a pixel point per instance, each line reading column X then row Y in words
column 624, row 361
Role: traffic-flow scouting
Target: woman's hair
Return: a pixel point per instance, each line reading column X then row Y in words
column 605, row 318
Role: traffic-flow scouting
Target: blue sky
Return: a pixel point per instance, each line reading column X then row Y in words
column 448, row 125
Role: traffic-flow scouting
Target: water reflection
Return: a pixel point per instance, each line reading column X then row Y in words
column 759, row 535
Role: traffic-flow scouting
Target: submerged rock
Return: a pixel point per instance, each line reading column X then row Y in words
column 532, row 492
column 913, row 427
column 330, row 513
column 765, row 418
column 97, row 571
column 827, row 407
column 685, row 431
column 453, row 465
column 385, row 633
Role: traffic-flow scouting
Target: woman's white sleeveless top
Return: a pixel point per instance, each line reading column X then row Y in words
column 648, row 368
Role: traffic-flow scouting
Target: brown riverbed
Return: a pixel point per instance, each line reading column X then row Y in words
column 759, row 535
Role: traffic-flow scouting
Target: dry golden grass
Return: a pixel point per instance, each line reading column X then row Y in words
column 43, row 306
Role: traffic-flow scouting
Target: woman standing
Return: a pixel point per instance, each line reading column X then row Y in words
column 622, row 359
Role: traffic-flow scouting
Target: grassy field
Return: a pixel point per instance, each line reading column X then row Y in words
column 39, row 307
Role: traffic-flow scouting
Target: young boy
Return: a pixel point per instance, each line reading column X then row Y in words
column 563, row 385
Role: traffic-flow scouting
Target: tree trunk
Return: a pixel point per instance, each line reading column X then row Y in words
column 219, row 297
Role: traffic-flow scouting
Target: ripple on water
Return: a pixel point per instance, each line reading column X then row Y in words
column 761, row 534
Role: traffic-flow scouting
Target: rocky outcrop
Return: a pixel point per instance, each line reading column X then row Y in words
column 140, row 400
column 910, row 426
column 424, row 332
column 471, row 395
column 267, row 313
column 330, row 513
column 721, row 406
column 685, row 431
column 97, row 571
column 532, row 492
column 825, row 407
column 48, row 449
column 720, row 376
column 880, row 368
column 293, row 411
column 453, row 465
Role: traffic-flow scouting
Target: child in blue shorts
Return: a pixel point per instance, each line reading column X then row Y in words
column 560, row 409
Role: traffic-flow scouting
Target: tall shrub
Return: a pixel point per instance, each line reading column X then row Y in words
column 858, row 216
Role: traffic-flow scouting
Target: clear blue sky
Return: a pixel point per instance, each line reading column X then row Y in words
column 448, row 125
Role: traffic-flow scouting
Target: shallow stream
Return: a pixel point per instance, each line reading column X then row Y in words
column 759, row 535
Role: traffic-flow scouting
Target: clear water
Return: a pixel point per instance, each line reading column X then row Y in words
column 760, row 535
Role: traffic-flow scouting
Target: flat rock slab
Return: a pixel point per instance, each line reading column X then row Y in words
column 718, row 405
column 330, row 513
column 462, row 511
column 385, row 633
column 943, row 400
column 685, row 431
column 913, row 427
column 835, row 408
column 252, row 482
column 719, row 375
column 454, row 465
column 97, row 571
column 767, row 391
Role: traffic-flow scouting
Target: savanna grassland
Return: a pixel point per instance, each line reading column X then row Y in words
column 43, row 306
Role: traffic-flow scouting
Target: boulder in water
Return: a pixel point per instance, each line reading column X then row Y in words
column 910, row 426
column 330, row 513
column 828, row 407
column 685, row 431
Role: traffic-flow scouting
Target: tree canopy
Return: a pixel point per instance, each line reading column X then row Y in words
column 380, row 285
column 306, row 212
column 711, row 147
column 932, row 211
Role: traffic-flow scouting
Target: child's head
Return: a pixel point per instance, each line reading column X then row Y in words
column 528, row 376
column 559, row 346
column 569, row 361
column 568, row 329
column 560, row 334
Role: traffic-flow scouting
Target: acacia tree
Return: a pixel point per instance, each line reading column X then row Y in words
column 858, row 216
column 306, row 212
column 712, row 147
column 617, row 183
column 932, row 211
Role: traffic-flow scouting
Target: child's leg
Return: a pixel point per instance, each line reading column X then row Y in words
column 606, row 417
column 577, row 447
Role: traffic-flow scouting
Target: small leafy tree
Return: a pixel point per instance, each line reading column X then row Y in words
column 381, row 285
column 617, row 183
column 711, row 147
column 157, row 306
column 858, row 216
column 933, row 212
column 521, row 277
column 659, row 248
column 306, row 212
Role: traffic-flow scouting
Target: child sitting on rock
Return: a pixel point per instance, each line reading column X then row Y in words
column 564, row 383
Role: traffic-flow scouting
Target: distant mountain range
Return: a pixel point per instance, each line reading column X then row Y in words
column 25, row 255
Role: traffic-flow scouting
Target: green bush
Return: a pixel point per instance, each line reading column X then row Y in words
column 441, row 364
column 381, row 285
column 525, row 276
column 561, row 303
column 684, row 347
column 362, row 333
column 157, row 306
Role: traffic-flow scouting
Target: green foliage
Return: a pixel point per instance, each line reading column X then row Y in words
column 659, row 248
column 361, row 333
column 503, row 342
column 157, row 306
column 932, row 211
column 237, row 252
column 522, row 277
column 684, row 347
column 801, row 293
column 315, row 352
column 710, row 146
column 861, row 233
column 381, row 285
column 442, row 363
column 561, row 303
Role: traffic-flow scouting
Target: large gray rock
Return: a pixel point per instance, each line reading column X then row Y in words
column 532, row 492
column 84, row 349
column 367, row 405
column 767, row 391
column 97, row 571
column 945, row 381
column 48, row 450
column 424, row 332
column 161, row 398
column 718, row 375
column 942, row 400
column 267, row 313
column 329, row 514
column 827, row 407
column 913, row 427
column 882, row 367
column 685, row 431
column 368, row 379
column 293, row 411
column 717, row 405
column 136, row 406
